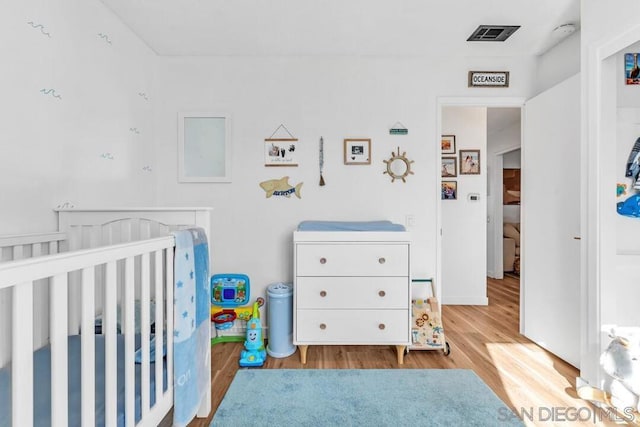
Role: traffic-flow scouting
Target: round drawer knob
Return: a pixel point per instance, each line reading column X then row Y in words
column 382, row 293
column 381, row 326
column 323, row 293
column 323, row 326
column 323, row 260
column 382, row 260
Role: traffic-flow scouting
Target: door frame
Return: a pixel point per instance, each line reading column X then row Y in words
column 487, row 102
column 498, row 217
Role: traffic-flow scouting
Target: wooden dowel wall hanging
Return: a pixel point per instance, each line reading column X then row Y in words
column 279, row 151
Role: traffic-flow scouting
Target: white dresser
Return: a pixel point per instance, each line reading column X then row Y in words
column 352, row 287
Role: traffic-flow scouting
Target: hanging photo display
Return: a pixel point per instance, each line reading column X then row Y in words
column 280, row 151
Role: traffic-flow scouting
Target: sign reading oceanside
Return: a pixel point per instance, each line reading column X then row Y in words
column 488, row 79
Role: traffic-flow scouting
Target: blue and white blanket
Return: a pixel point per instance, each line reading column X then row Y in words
column 191, row 330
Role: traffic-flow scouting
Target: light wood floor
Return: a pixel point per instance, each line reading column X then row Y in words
column 482, row 338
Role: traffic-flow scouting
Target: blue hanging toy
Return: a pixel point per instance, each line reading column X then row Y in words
column 631, row 206
column 254, row 353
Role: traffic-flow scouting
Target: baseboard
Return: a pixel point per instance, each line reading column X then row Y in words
column 581, row 382
column 465, row 300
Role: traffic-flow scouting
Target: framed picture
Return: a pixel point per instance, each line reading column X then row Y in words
column 280, row 152
column 449, row 167
column 631, row 69
column 357, row 151
column 449, row 190
column 204, row 147
column 448, row 144
column 469, row 162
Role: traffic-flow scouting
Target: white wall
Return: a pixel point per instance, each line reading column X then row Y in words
column 558, row 63
column 606, row 28
column 511, row 160
column 56, row 147
column 333, row 97
column 628, row 228
column 627, row 292
column 464, row 225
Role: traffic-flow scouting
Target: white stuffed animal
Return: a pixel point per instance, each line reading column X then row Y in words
column 621, row 361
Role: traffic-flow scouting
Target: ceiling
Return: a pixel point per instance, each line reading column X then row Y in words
column 499, row 119
column 342, row 27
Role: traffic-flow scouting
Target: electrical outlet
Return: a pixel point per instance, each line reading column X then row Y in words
column 410, row 221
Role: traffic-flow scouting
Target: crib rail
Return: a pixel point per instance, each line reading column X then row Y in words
column 115, row 266
column 23, row 246
column 29, row 245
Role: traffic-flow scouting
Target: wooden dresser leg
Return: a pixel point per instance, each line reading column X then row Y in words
column 400, row 351
column 303, row 353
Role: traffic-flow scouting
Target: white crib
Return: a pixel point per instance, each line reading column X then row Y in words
column 100, row 262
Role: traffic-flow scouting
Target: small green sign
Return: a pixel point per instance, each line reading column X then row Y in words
column 398, row 131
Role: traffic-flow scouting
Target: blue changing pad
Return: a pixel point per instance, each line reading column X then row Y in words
column 349, row 226
column 42, row 379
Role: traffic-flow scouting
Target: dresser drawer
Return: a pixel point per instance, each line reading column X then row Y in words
column 352, row 260
column 352, row 327
column 352, row 292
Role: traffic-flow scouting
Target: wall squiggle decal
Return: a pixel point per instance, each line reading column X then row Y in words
column 147, row 169
column 40, row 27
column 107, row 156
column 143, row 95
column 134, row 130
column 66, row 205
column 51, row 92
column 104, row 37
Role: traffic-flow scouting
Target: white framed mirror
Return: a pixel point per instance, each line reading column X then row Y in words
column 204, row 147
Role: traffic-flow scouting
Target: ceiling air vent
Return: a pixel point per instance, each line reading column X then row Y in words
column 492, row 33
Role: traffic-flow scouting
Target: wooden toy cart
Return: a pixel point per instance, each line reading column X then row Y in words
column 427, row 332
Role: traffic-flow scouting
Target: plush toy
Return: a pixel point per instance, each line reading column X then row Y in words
column 621, row 361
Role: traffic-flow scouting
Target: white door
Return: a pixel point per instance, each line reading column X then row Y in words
column 550, row 298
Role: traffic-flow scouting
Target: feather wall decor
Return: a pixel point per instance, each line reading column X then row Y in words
column 321, row 161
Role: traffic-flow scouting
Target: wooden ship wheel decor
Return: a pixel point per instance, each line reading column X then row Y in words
column 398, row 166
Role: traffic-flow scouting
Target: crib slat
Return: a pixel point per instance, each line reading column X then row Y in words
column 59, row 350
column 40, row 303
column 88, row 347
column 18, row 252
column 36, row 249
column 129, row 343
column 144, row 334
column 110, row 345
column 159, row 324
column 169, row 310
column 22, row 367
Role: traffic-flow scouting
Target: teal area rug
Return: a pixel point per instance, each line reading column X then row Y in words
column 361, row 397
